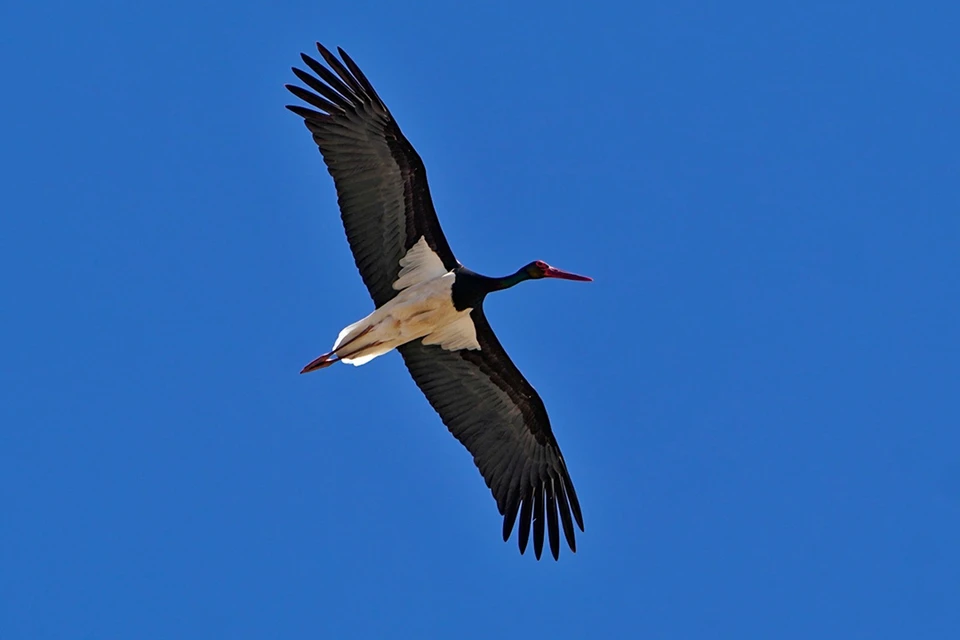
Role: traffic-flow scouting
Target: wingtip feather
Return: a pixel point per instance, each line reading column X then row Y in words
column 538, row 520
column 553, row 527
column 323, row 50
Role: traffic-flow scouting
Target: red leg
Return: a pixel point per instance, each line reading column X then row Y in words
column 328, row 359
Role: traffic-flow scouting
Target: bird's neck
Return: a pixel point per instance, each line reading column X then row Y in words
column 499, row 284
column 470, row 288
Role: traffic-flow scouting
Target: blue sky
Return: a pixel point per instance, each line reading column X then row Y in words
column 757, row 397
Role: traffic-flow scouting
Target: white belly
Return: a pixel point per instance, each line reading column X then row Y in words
column 421, row 310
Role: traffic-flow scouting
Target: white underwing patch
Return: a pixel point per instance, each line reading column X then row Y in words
column 419, row 264
column 459, row 334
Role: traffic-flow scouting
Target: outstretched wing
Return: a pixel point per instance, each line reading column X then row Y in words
column 497, row 415
column 381, row 182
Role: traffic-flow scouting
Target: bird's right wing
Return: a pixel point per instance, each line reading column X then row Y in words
column 489, row 406
column 381, row 182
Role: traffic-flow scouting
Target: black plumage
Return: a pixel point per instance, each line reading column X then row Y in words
column 480, row 395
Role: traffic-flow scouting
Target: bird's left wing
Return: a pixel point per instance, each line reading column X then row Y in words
column 489, row 406
column 381, row 182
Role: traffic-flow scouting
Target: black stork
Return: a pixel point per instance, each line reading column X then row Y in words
column 430, row 307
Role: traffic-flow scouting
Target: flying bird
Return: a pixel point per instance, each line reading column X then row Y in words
column 430, row 307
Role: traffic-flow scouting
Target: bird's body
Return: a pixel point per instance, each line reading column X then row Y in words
column 430, row 307
column 423, row 308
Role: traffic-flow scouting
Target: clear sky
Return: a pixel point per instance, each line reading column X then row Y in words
column 758, row 397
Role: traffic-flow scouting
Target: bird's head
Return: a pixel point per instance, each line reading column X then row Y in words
column 540, row 269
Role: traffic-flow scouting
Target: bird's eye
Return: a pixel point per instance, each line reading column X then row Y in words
column 541, row 265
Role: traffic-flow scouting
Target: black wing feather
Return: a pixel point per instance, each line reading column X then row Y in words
column 381, row 182
column 564, row 508
column 340, row 70
column 552, row 528
column 497, row 415
column 538, row 520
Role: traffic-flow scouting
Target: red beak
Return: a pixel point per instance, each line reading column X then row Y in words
column 553, row 272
